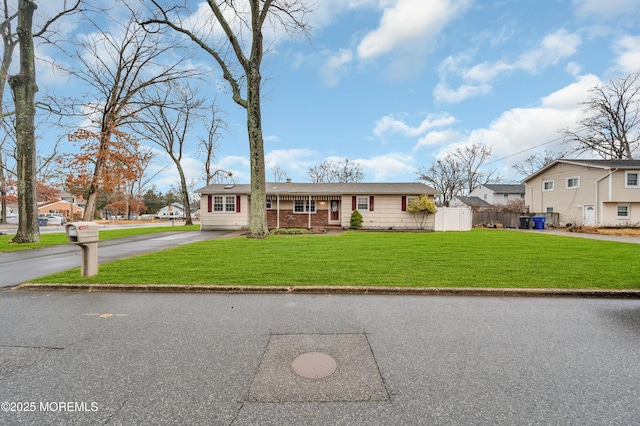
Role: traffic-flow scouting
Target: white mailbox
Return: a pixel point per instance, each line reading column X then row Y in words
column 82, row 232
column 85, row 234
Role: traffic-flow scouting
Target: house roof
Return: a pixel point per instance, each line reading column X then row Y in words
column 505, row 188
column 272, row 188
column 473, row 201
column 68, row 203
column 600, row 164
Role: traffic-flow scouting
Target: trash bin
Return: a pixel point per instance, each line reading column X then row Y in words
column 525, row 222
column 42, row 221
column 538, row 222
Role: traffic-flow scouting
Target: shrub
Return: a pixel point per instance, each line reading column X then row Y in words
column 421, row 207
column 356, row 220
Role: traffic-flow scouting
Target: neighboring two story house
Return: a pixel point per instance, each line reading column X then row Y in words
column 587, row 192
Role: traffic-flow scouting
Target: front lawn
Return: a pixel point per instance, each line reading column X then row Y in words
column 481, row 258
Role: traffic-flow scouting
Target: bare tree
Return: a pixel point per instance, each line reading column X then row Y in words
column 536, row 161
column 472, row 160
column 209, row 146
column 279, row 174
column 344, row 171
column 24, row 88
column 611, row 128
column 166, row 123
column 242, row 69
column 446, row 177
column 119, row 66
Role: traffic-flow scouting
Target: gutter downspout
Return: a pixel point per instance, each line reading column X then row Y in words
column 277, row 211
column 309, row 211
column 598, row 208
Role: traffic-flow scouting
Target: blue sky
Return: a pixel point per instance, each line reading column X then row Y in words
column 395, row 84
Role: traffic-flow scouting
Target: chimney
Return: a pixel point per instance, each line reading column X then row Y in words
column 288, row 180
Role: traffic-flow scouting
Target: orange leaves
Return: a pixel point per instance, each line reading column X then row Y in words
column 106, row 160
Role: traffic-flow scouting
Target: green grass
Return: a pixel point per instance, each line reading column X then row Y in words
column 47, row 240
column 481, row 258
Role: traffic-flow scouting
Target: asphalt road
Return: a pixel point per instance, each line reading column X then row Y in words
column 224, row 359
column 21, row 266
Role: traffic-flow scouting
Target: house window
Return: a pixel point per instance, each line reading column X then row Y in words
column 506, row 196
column 631, row 180
column 573, row 182
column 623, row 210
column 224, row 203
column 547, row 185
column 230, row 204
column 302, row 206
column 363, row 203
column 549, row 209
column 268, row 204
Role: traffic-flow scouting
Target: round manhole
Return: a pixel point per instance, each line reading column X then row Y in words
column 314, row 365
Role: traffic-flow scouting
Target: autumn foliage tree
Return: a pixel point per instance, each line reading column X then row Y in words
column 102, row 164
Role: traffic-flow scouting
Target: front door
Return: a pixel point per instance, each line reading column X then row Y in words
column 334, row 215
column 589, row 215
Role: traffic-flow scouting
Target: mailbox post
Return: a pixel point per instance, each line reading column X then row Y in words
column 85, row 234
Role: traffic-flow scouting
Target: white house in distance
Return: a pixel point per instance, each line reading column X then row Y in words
column 171, row 211
column 315, row 205
column 587, row 192
column 495, row 194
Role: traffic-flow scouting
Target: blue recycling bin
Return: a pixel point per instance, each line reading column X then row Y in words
column 538, row 222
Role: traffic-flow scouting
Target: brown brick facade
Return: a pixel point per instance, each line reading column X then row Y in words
column 289, row 219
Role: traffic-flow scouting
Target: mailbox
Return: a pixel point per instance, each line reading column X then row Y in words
column 82, row 232
column 85, row 234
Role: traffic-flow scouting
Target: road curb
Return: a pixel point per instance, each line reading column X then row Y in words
column 419, row 291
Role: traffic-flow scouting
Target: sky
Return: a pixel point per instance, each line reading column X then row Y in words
column 394, row 85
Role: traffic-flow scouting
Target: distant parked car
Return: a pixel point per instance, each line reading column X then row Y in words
column 12, row 220
column 53, row 218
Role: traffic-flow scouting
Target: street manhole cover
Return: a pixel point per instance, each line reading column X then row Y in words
column 314, row 365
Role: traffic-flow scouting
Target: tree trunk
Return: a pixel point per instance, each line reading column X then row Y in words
column 185, row 194
column 90, row 208
column 3, row 192
column 24, row 89
column 258, row 220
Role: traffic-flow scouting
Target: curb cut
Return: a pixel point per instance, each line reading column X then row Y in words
column 355, row 290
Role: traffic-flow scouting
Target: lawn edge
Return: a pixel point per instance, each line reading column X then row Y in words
column 425, row 291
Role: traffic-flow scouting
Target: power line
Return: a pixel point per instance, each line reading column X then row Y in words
column 529, row 149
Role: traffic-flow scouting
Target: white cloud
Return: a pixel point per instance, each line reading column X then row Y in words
column 554, row 47
column 389, row 124
column 440, row 137
column 476, row 79
column 606, row 10
column 332, row 70
column 384, row 167
column 520, row 129
column 628, row 50
column 406, row 24
column 444, row 93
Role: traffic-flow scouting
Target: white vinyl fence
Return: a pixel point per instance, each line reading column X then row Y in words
column 453, row 219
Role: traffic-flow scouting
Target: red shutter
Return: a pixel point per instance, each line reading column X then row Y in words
column 210, row 203
column 371, row 203
column 237, row 204
column 404, row 203
column 354, row 203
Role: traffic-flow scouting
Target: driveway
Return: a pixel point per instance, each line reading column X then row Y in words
column 21, row 266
